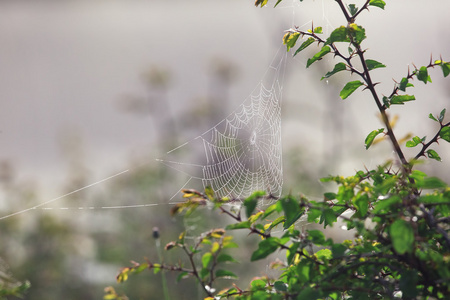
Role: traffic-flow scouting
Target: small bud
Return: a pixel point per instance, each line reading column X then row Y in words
column 155, row 232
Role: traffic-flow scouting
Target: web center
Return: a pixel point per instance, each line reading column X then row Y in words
column 253, row 138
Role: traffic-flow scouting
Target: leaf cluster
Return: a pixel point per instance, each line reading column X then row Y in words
column 399, row 216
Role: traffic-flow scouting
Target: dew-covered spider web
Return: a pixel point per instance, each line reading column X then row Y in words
column 242, row 153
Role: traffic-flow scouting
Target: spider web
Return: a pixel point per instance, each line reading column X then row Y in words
column 242, row 153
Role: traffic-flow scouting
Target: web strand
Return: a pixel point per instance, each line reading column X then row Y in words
column 242, row 153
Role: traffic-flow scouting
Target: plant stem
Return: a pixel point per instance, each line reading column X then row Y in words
column 163, row 276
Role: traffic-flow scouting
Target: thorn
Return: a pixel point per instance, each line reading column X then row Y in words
column 408, row 72
column 376, row 83
column 431, row 60
column 394, row 80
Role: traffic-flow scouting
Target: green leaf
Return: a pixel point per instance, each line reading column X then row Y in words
column 316, row 236
column 357, row 32
column 308, row 293
column 289, row 39
column 377, row 3
column 408, row 284
column 373, row 64
column 445, row 66
column 313, row 214
column 182, row 275
column 432, row 117
column 261, row 3
column 304, row 45
column 386, row 204
column 225, row 274
column 429, row 183
column 226, row 258
column 415, row 141
column 324, row 51
column 251, row 202
column 209, row 193
column 204, row 273
column 349, row 88
column 442, row 115
column 369, row 139
column 206, row 259
column 258, row 283
column 403, row 84
column 353, row 9
column 280, row 286
column 422, row 75
column 292, row 211
column 433, row 155
column 328, row 217
column 265, row 248
column 361, row 202
column 240, row 225
column 337, row 68
column 329, row 196
column 445, row 134
column 402, row 236
column 401, row 99
column 318, row 30
column 340, row 34
column 278, row 2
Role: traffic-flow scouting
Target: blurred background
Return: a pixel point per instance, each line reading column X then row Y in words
column 89, row 89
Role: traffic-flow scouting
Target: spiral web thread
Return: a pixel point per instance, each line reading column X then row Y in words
column 242, row 153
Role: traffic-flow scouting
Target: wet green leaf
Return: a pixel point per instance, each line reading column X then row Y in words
column 432, row 117
column 361, row 202
column 431, row 183
column 373, row 64
column 328, row 217
column 369, row 139
column 442, row 115
column 226, row 258
column 324, row 51
column 240, row 225
column 445, row 134
column 415, row 141
column 340, row 34
column 403, row 84
column 337, row 68
column 357, row 32
column 445, row 66
column 353, row 9
column 402, row 236
column 316, row 236
column 225, row 274
column 304, row 45
column 377, row 3
column 206, row 259
column 349, row 88
column 422, row 75
column 433, row 155
column 261, row 3
column 278, row 2
column 290, row 38
column 401, row 99
column 292, row 210
column 209, row 193
column 265, row 248
column 182, row 275
column 280, row 286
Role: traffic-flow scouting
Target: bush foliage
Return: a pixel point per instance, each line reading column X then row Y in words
column 399, row 216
